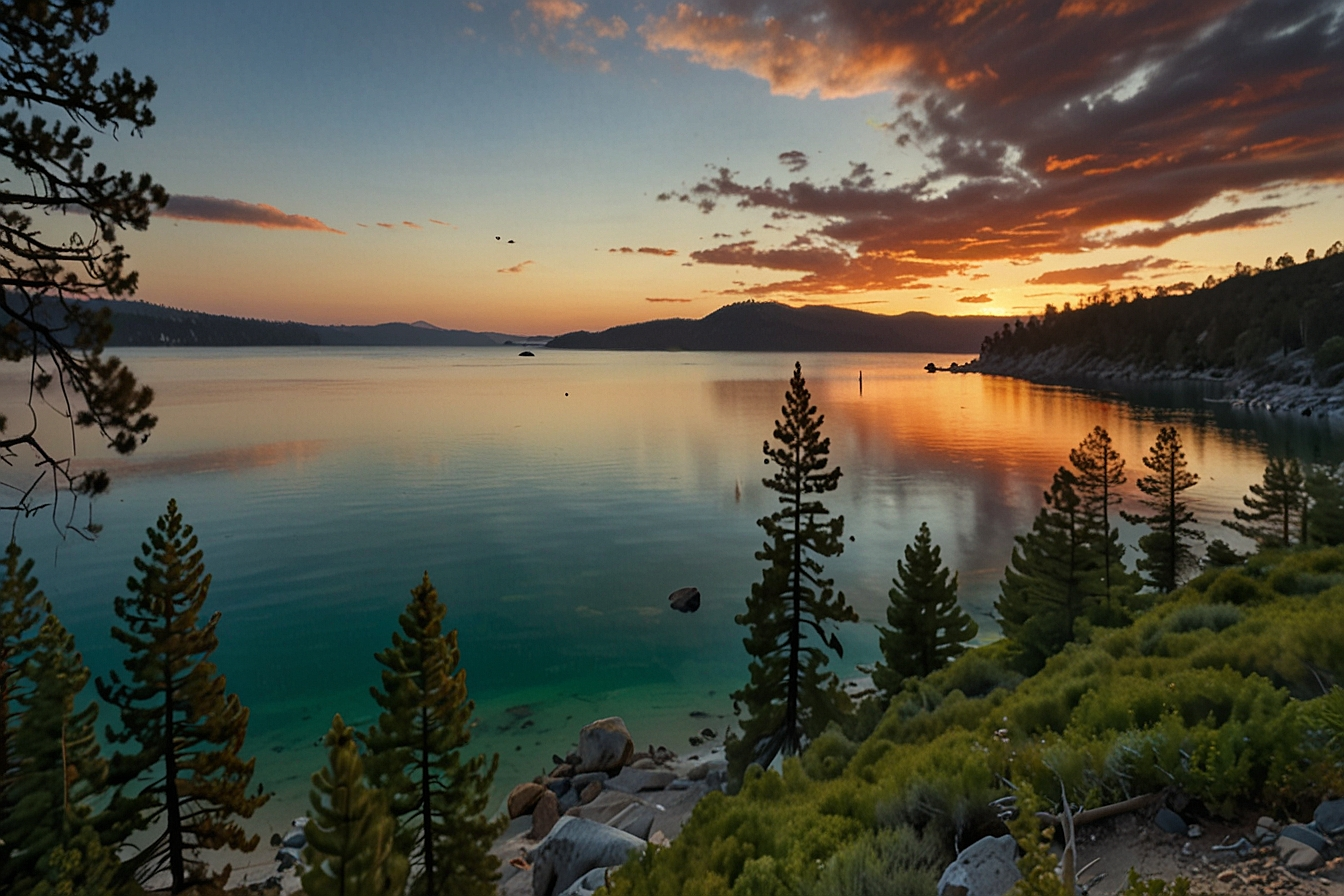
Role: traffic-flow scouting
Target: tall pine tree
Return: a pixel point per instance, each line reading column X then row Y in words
column 928, row 628
column 47, row 821
column 1167, row 553
column 1325, row 515
column 352, row 849
column 1100, row 473
column 187, row 775
column 1054, row 578
column 1276, row 509
column 22, row 607
column 415, row 755
column 790, row 697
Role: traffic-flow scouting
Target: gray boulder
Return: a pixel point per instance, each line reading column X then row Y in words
column 605, row 745
column 1305, row 835
column 579, row 782
column 589, row 883
column 636, row 819
column 1297, row 855
column 1170, row 822
column 1330, row 817
column 633, row 780
column 574, row 847
column 988, row 867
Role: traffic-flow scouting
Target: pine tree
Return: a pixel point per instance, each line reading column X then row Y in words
column 1276, row 508
column 414, row 755
column 790, row 696
column 1325, row 515
column 1054, row 578
column 352, row 848
column 47, row 817
column 22, row 607
column 1166, row 549
column 928, row 628
column 173, row 704
column 1101, row 472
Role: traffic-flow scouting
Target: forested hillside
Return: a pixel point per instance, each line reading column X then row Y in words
column 774, row 327
column 1242, row 325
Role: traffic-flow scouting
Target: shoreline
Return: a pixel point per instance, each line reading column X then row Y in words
column 1283, row 384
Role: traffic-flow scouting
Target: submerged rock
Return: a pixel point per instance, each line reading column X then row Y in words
column 685, row 600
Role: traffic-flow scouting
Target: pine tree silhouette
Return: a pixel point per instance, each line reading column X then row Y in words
column 173, row 705
column 1276, row 509
column 1166, row 549
column 790, row 696
column 928, row 628
column 1054, row 578
column 415, row 755
column 1100, row 473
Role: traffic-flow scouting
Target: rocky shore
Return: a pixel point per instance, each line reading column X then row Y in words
column 1284, row 383
column 600, row 804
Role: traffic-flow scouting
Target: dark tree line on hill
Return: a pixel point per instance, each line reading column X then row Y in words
column 398, row 803
column 1236, row 324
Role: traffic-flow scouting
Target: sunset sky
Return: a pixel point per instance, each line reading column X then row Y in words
column 343, row 162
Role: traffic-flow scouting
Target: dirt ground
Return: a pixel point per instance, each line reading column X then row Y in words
column 1132, row 841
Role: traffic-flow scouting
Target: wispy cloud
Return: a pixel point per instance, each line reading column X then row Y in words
column 558, row 29
column 644, row 250
column 235, row 211
column 412, row 225
column 1102, row 273
column 674, row 301
column 442, row 223
column 516, row 269
column 794, row 160
column 386, row 225
column 1046, row 129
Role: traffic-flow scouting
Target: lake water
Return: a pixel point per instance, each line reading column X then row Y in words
column 556, row 501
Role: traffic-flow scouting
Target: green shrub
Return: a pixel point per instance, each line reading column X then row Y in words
column 890, row 862
column 1233, row 586
column 827, row 756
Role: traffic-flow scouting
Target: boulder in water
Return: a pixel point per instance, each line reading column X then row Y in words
column 605, row 745
column 685, row 600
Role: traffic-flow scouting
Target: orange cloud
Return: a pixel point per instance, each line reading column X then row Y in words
column 614, row 28
column 644, row 250
column 412, row 225
column 235, row 211
column 793, row 64
column 555, row 12
column 386, row 225
column 677, row 301
column 975, row 300
column 442, row 223
column 1045, row 129
column 516, row 269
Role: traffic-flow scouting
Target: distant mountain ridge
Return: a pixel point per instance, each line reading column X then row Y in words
column 772, row 326
column 136, row 323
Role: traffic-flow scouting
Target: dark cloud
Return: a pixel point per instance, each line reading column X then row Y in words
column 676, row 301
column 644, row 250
column 1047, row 127
column 1102, row 273
column 794, row 160
column 235, row 211
column 975, row 300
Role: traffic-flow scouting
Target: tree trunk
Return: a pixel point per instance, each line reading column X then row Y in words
column 427, row 817
column 792, row 738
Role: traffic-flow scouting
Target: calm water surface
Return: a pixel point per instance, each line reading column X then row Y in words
column 556, row 501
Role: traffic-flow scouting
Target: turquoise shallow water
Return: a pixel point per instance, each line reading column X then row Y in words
column 323, row 482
